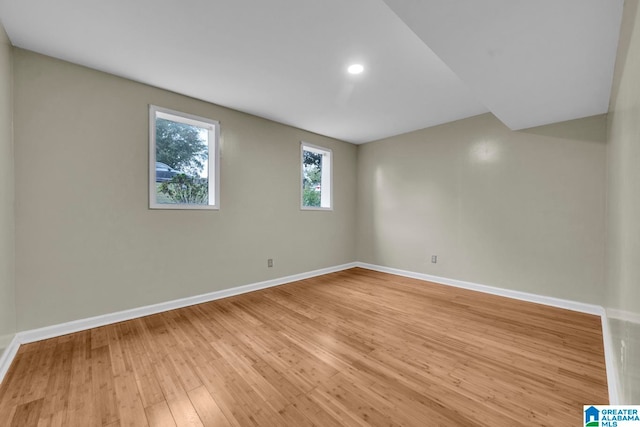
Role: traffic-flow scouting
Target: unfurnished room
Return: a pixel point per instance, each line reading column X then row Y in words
column 319, row 213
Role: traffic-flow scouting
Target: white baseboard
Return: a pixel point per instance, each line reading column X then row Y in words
column 609, row 360
column 7, row 356
column 120, row 316
column 523, row 296
column 626, row 316
column 609, row 355
column 33, row 335
column 97, row 321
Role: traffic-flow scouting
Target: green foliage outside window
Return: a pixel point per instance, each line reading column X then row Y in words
column 186, row 190
column 312, row 172
column 182, row 147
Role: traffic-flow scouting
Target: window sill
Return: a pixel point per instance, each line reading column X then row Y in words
column 309, row 208
column 168, row 206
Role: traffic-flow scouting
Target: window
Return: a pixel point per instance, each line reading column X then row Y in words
column 184, row 166
column 316, row 177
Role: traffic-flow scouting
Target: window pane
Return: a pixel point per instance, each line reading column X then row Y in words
column 316, row 177
column 312, row 179
column 184, row 164
column 182, row 153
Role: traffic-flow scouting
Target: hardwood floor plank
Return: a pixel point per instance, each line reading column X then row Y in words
column 159, row 415
column 27, row 414
column 104, row 394
column 56, row 402
column 130, row 409
column 38, row 377
column 183, row 412
column 56, row 419
column 352, row 348
column 99, row 337
column 143, row 366
column 314, row 412
column 81, row 411
column 14, row 383
column 207, row 408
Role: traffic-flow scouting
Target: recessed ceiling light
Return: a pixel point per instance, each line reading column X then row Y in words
column 355, row 69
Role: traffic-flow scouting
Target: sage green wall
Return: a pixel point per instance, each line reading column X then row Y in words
column 86, row 242
column 623, row 215
column 7, row 300
column 517, row 210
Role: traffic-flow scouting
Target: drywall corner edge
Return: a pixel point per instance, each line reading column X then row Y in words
column 7, row 356
column 609, row 357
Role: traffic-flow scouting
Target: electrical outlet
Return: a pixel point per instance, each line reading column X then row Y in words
column 434, row 258
column 270, row 262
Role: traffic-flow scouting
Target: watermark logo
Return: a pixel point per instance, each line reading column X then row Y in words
column 592, row 417
column 611, row 415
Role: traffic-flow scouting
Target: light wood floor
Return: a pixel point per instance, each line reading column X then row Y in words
column 350, row 348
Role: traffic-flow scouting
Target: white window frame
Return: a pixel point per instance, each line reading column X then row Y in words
column 213, row 161
column 327, row 177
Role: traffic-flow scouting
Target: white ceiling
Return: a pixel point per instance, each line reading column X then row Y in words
column 528, row 62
